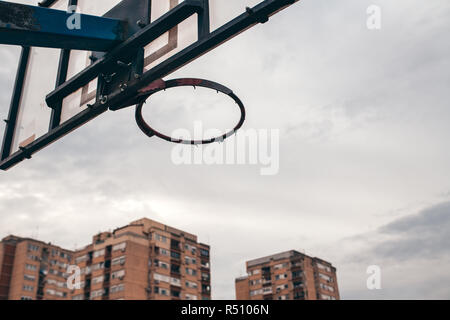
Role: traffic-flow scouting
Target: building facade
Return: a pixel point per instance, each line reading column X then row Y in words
column 288, row 275
column 33, row 270
column 144, row 260
column 140, row 261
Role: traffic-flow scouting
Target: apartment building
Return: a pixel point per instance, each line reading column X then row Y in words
column 144, row 260
column 288, row 275
column 33, row 270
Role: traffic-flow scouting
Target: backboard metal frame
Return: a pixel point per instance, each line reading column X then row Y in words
column 126, row 54
column 56, row 129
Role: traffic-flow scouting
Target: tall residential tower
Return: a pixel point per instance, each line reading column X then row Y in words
column 288, row 275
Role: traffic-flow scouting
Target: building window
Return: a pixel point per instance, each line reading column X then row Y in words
column 204, row 252
column 326, row 287
column 28, row 288
column 29, row 277
column 175, row 268
column 190, row 248
column 98, row 279
column 81, row 258
column 323, row 267
column 55, row 293
column 160, row 277
column 205, row 288
column 26, row 298
column 191, row 284
column 299, row 295
column 282, row 287
column 118, row 274
column 162, row 251
column 281, row 276
column 256, row 271
column 161, row 291
column 97, row 293
column 325, row 277
column 99, row 253
column 162, row 264
column 87, row 270
column 119, row 260
column 30, row 267
column 78, row 297
column 256, row 292
column 267, row 290
column 33, row 257
column 255, row 282
column 175, row 282
column 117, row 288
column 190, row 296
column 160, row 238
column 327, row 297
column 121, row 246
column 205, row 276
column 32, row 247
column 175, row 255
column 191, row 272
column 97, row 266
column 190, row 260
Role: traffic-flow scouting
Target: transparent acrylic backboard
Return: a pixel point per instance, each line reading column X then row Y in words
column 40, row 78
column 34, row 126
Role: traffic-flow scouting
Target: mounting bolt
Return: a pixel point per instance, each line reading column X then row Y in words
column 141, row 24
column 103, row 99
column 123, row 87
column 137, row 76
column 123, row 64
column 107, row 77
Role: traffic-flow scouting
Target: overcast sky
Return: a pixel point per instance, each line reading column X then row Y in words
column 364, row 159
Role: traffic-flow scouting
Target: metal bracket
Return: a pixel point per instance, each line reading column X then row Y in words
column 258, row 17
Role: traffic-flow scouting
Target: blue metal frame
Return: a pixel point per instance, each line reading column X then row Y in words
column 43, row 27
column 129, row 53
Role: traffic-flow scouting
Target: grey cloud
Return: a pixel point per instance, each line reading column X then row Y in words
column 425, row 234
column 363, row 119
column 404, row 249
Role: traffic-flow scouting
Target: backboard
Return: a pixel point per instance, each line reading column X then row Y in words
column 58, row 90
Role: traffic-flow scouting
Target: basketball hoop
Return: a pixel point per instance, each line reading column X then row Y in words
column 160, row 85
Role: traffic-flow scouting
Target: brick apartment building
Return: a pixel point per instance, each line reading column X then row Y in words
column 288, row 275
column 143, row 260
column 33, row 270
